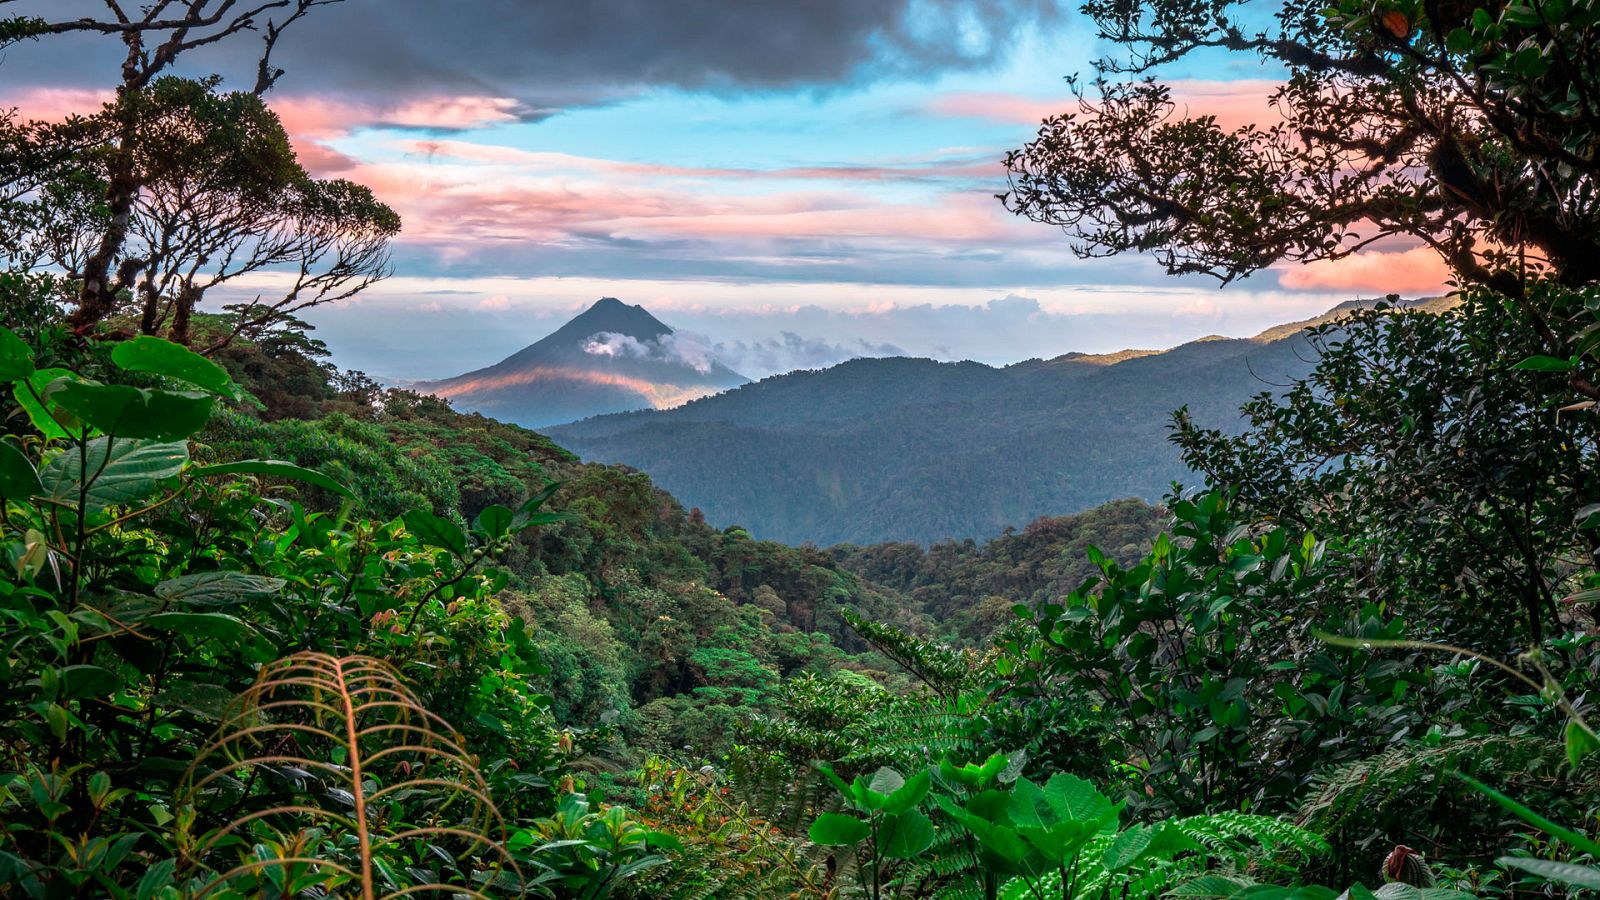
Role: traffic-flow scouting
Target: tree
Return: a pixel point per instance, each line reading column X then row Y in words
column 1454, row 482
column 154, row 35
column 221, row 196
column 1473, row 129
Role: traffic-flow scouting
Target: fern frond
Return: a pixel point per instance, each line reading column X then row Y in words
column 943, row 669
column 1232, row 842
column 1362, row 792
column 330, row 774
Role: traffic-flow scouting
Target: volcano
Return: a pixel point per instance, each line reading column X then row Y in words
column 611, row 358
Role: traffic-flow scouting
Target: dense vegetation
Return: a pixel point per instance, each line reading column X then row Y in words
column 271, row 630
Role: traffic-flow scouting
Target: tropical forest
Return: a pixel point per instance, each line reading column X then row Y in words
column 1311, row 615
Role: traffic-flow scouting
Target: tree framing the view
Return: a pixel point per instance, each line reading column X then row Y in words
column 154, row 35
column 1472, row 130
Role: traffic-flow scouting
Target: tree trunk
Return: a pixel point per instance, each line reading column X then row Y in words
column 187, row 298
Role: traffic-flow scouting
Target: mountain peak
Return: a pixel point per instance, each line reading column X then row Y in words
column 609, row 315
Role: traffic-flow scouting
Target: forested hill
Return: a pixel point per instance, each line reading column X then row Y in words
column 903, row 449
column 970, row 588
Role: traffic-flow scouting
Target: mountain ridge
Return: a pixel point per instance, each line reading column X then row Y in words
column 909, row 449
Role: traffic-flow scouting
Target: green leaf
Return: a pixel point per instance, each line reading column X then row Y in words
column 1580, row 742
column 277, row 468
column 528, row 514
column 119, row 472
column 1587, row 877
column 1573, row 838
column 909, row 794
column 25, row 392
column 838, row 830
column 886, row 781
column 159, row 357
column 906, row 835
column 1071, row 797
column 16, row 357
column 18, row 478
column 212, row 625
column 494, row 521
column 833, row 778
column 436, row 531
column 1127, row 848
column 207, row 701
column 1396, row 890
column 87, row 681
column 1213, row 887
column 156, row 879
column 218, row 588
column 1545, row 364
column 123, row 411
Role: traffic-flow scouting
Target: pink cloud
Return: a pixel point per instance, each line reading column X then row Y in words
column 558, row 201
column 328, row 117
column 1418, row 271
column 1234, row 103
column 54, row 104
column 966, row 165
column 310, row 121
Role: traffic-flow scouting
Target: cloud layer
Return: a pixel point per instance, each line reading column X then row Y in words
column 551, row 54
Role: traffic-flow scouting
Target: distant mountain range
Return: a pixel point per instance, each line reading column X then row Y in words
column 611, row 358
column 918, row 450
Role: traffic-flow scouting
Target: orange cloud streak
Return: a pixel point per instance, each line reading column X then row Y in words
column 660, row 396
column 1234, row 103
column 1415, row 271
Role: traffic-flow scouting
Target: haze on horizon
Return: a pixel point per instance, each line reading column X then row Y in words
column 793, row 185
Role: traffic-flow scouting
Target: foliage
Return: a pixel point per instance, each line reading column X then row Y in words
column 1458, row 126
column 1456, row 487
column 584, row 852
column 727, row 851
column 142, row 589
column 886, row 828
column 1199, row 661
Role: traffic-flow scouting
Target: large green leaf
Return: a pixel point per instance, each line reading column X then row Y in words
column 118, row 471
column 218, row 588
column 87, row 681
column 202, row 625
column 159, row 357
column 1071, row 797
column 436, row 531
column 909, row 794
column 277, row 468
column 27, row 393
column 1587, row 877
column 16, row 357
column 838, row 830
column 1545, row 364
column 906, row 835
column 1233, row 887
column 124, row 411
column 494, row 521
column 208, row 701
column 17, row 476
column 1580, row 742
column 1128, row 848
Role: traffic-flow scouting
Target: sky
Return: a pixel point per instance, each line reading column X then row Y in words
column 792, row 182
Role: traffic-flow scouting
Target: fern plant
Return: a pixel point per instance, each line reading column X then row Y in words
column 1148, row 861
column 328, row 775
